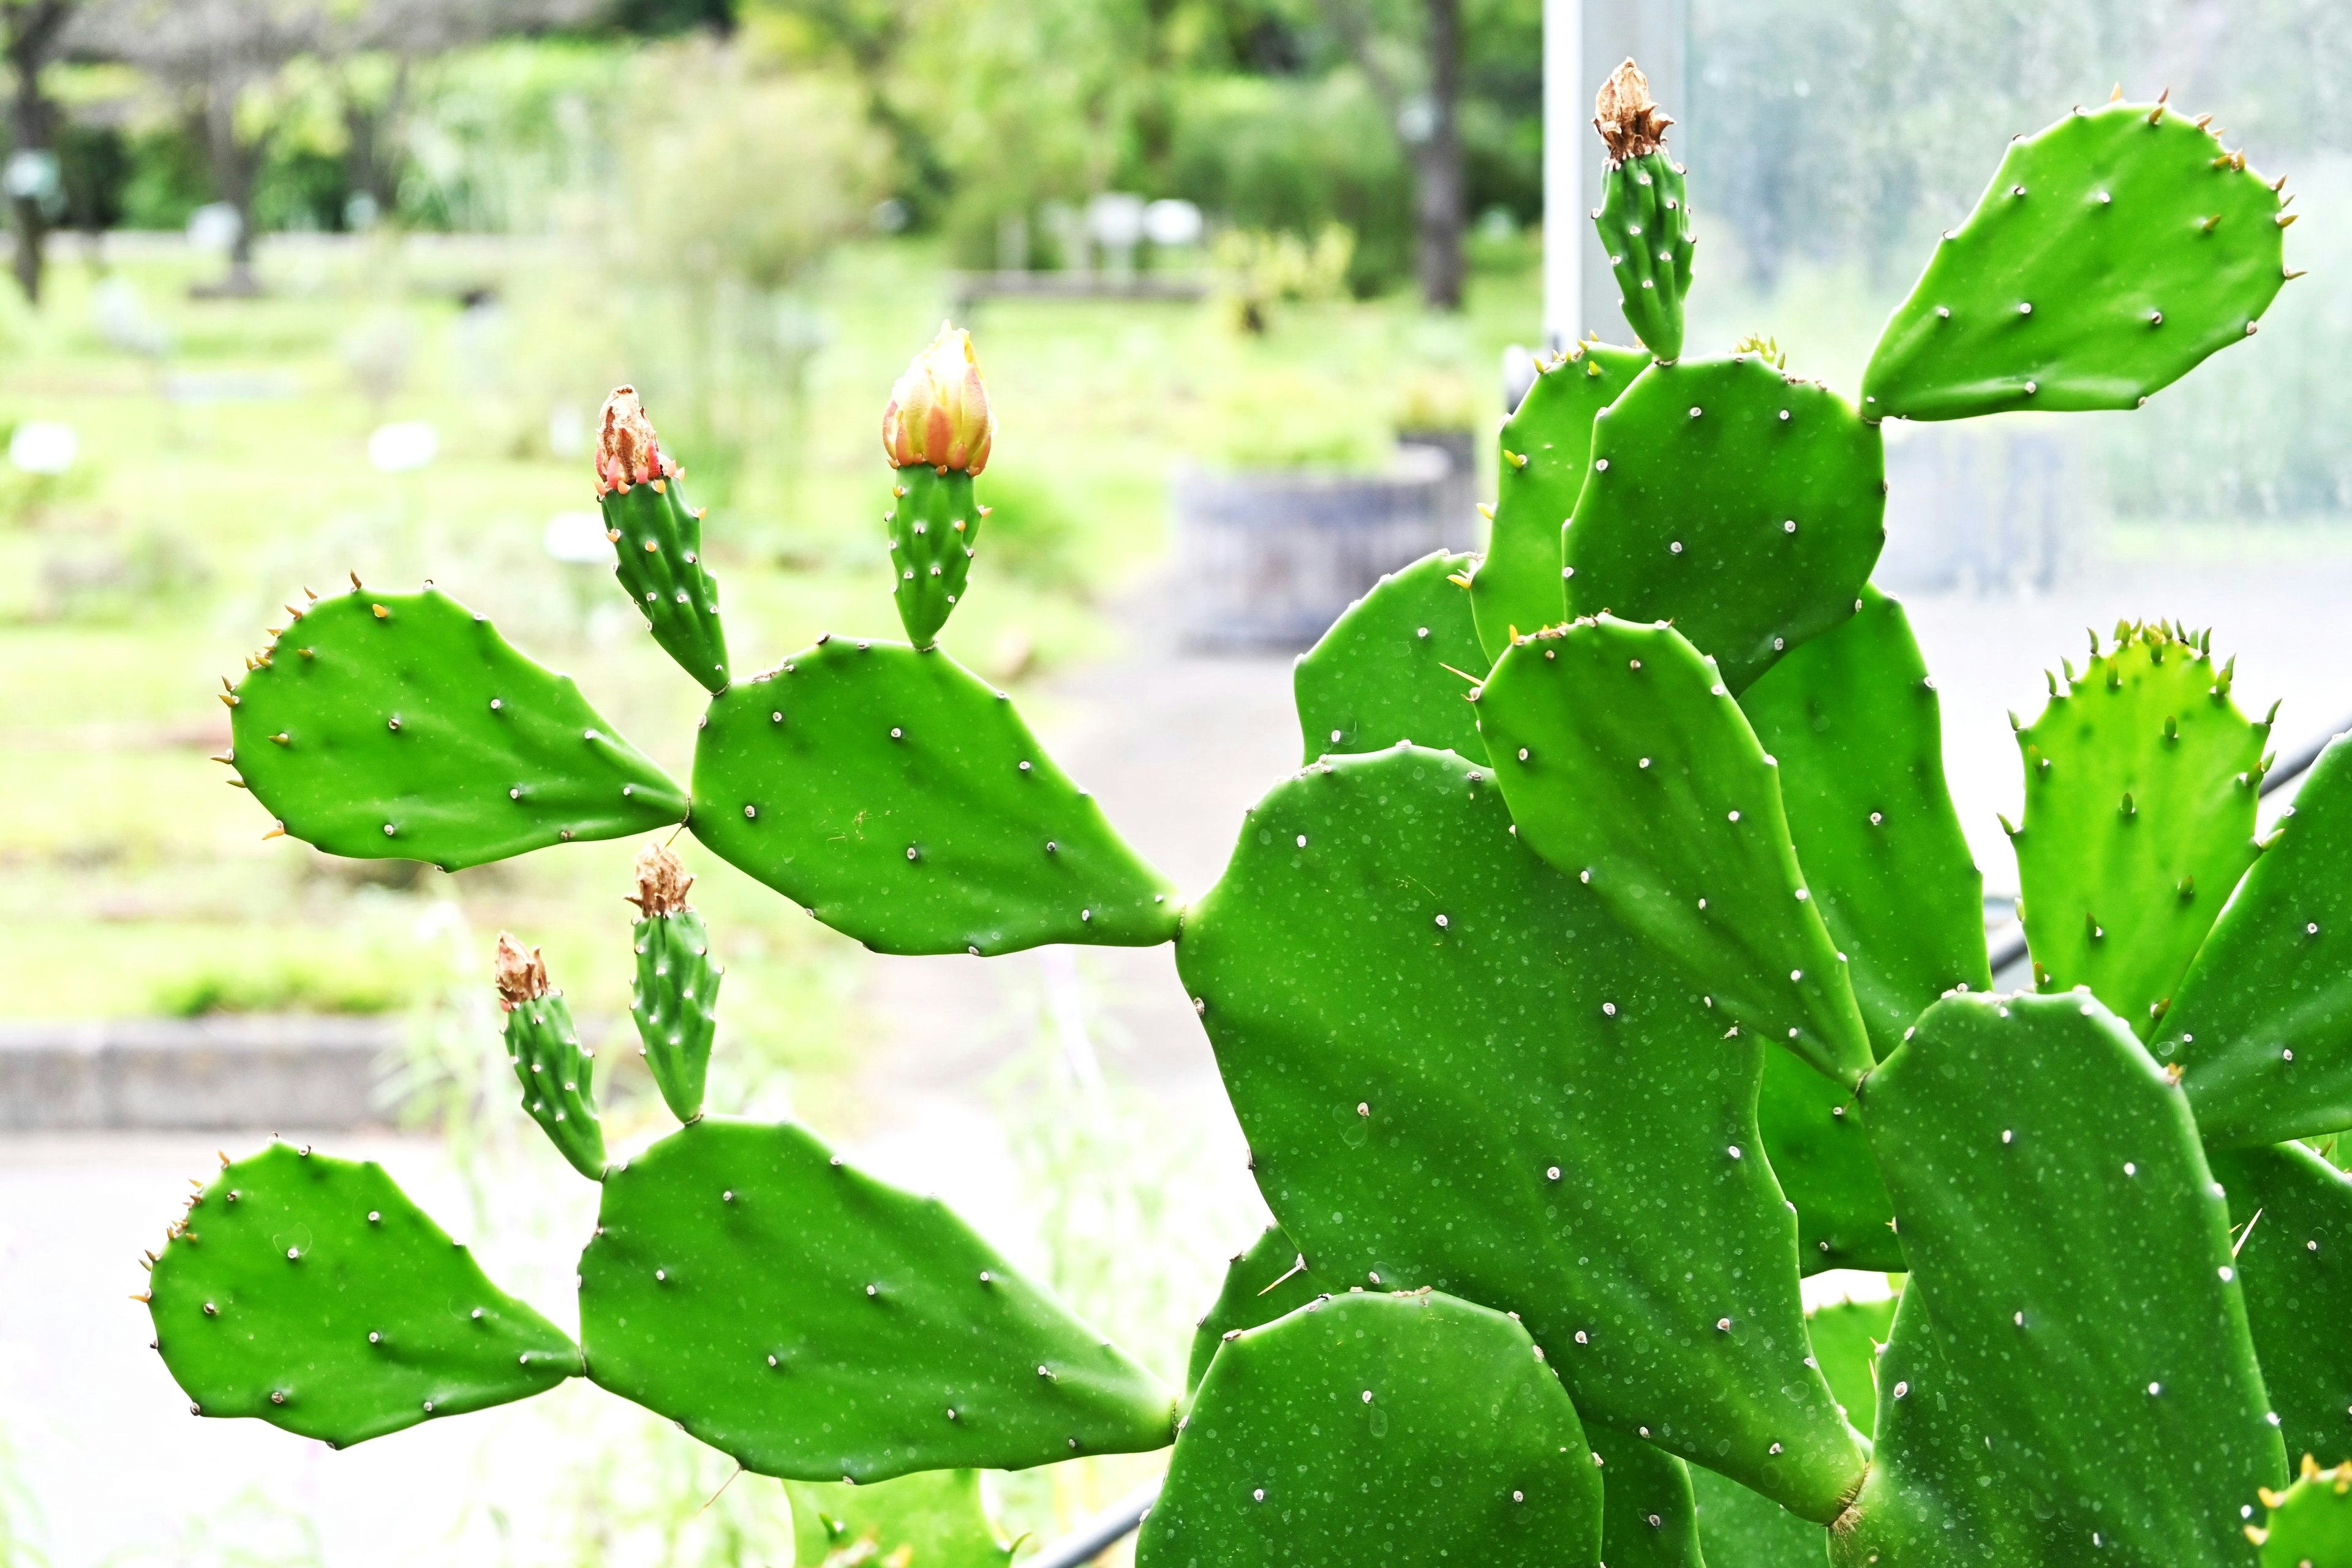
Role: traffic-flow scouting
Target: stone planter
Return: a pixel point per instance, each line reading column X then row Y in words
column 1269, row 560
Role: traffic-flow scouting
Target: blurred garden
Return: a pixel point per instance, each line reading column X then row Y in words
column 312, row 292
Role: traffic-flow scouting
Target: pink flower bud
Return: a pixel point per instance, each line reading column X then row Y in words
column 939, row 413
column 626, row 450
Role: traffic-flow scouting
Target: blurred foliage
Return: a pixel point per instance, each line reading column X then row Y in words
column 1258, row 269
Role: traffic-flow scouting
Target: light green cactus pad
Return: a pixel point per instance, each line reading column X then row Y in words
column 308, row 1291
column 1375, row 1428
column 1382, row 673
column 2112, row 253
column 1262, row 1284
column 1456, row 1070
column 403, row 725
column 932, row 1518
column 557, row 1075
column 2294, row 1270
column 675, row 1005
column 2141, row 779
column 657, row 548
column 1646, row 1515
column 1845, row 1336
column 2310, row 1525
column 1628, row 767
column 1645, row 226
column 2261, row 1023
column 817, row 1324
column 2070, row 1372
column 1820, row 1152
column 1546, row 446
column 1741, row 503
column 934, row 522
column 901, row 800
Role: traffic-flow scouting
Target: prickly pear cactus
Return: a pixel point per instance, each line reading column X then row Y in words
column 938, row 431
column 675, row 1005
column 1644, row 213
column 657, row 540
column 556, row 1073
column 2310, row 1523
column 1389, row 670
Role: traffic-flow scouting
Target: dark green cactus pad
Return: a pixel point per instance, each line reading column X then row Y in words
column 1398, row 1429
column 658, row 540
column 2112, row 253
column 1262, row 1284
column 901, row 800
column 309, row 1293
column 1380, row 674
column 1854, row 720
column 1845, row 1338
column 2072, row 1356
column 558, row 1080
column 2309, row 1524
column 2294, row 1269
column 403, row 725
column 1546, row 447
column 2262, row 1024
column 934, row 526
column 1644, row 224
column 816, row 1324
column 1455, row 1070
column 675, row 1006
column 2141, row 779
column 1646, row 1515
column 1743, row 504
column 1819, row 1151
column 934, row 1517
column 1628, row 766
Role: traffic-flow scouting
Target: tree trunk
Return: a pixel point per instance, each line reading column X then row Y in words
column 1441, row 196
column 31, row 32
column 236, row 165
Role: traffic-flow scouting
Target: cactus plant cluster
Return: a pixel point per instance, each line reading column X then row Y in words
column 1612, row 961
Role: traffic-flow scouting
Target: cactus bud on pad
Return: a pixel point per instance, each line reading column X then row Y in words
column 544, row 1044
column 1644, row 214
column 657, row 539
column 937, row 432
column 678, row 984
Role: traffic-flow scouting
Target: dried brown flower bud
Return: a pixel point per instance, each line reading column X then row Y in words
column 1627, row 117
column 522, row 973
column 627, row 453
column 662, row 881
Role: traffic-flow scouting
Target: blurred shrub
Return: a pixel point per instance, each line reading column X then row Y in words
column 1032, row 534
column 1258, row 270
column 284, row 984
column 166, row 178
column 1282, row 415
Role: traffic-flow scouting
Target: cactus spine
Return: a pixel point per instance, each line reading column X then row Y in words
column 676, row 1001
column 1644, row 213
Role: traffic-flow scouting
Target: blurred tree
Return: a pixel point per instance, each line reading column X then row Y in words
column 31, row 32
column 1420, row 88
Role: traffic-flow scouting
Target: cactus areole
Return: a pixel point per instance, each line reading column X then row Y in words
column 1613, row 959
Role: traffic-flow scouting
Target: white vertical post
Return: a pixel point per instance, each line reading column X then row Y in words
column 1564, row 150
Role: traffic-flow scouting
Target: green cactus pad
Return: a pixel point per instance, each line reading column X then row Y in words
column 2294, row 1269
column 675, row 1005
column 1698, row 471
column 1455, row 1070
column 901, row 800
column 2310, row 1525
column 558, row 1080
column 1546, row 446
column 1819, row 1151
column 1646, row 1516
column 2071, row 1357
column 934, row 1517
column 1736, row 1529
column 2140, row 786
column 1628, row 767
column 816, row 1324
column 1262, row 1284
column 934, row 526
column 658, row 540
column 402, row 725
column 309, row 1293
column 1846, row 1337
column 1380, row 675
column 1645, row 225
column 1411, row 1429
column 2112, row 253
column 2266, row 984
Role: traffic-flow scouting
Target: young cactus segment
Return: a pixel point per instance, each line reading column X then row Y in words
column 1819, row 1151
column 1743, row 504
column 901, row 800
column 1262, row 1284
column 556, row 1073
column 658, row 540
column 2141, row 779
column 1414, row 1427
column 2292, row 1265
column 2262, row 1024
column 937, row 432
column 816, row 1324
column 934, row 1518
column 1384, row 964
column 2112, row 253
column 2310, row 1523
column 1628, row 767
column 1385, row 671
column 403, row 725
column 1846, row 1337
column 676, row 1001
column 2071, row 1358
column 1545, row 446
column 1647, row 1519
column 1644, row 216
column 309, row 1293
column 1855, row 722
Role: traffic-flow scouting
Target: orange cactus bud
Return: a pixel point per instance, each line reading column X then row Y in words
column 627, row 453
column 938, row 415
